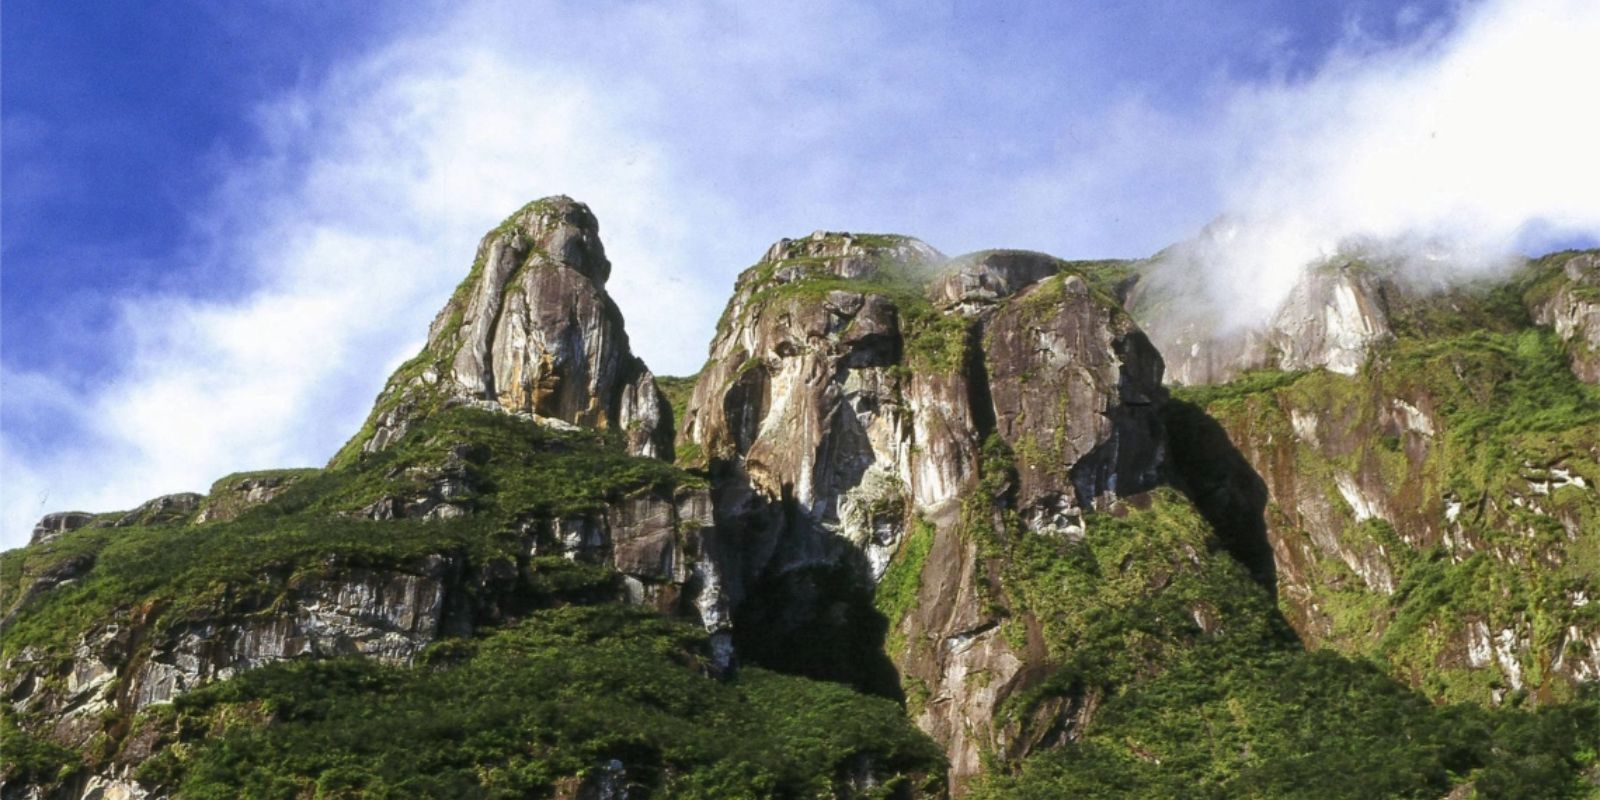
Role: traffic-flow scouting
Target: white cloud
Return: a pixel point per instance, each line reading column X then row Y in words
column 1447, row 149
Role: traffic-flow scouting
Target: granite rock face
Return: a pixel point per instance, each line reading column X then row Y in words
column 803, row 423
column 1075, row 386
column 532, row 331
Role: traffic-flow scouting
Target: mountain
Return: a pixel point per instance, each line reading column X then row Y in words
column 922, row 526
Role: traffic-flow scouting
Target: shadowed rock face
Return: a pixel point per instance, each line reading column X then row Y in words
column 1074, row 385
column 533, row 331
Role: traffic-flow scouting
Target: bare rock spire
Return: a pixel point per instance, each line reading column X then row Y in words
column 531, row 330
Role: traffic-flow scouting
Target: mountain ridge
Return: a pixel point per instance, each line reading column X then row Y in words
column 961, row 485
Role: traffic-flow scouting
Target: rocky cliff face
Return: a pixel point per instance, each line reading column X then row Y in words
column 805, row 425
column 531, row 330
column 852, row 384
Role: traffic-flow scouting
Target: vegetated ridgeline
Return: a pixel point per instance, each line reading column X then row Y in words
column 921, row 527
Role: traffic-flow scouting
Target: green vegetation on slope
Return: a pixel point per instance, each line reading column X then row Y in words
column 1503, row 412
column 1229, row 722
column 512, row 467
column 29, row 759
column 1202, row 692
column 520, row 710
column 525, row 709
column 1188, row 683
column 677, row 391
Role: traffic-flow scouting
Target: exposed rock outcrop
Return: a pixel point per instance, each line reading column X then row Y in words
column 124, row 666
column 804, row 422
column 170, row 509
column 164, row 510
column 974, row 283
column 1570, row 303
column 236, row 494
column 51, row 526
column 531, row 331
column 800, row 404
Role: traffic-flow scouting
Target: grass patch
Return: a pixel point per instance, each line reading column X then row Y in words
column 677, row 391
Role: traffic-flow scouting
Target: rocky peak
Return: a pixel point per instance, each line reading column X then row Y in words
column 825, row 301
column 1331, row 319
column 532, row 331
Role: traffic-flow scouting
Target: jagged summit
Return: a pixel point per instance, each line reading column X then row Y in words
column 531, row 330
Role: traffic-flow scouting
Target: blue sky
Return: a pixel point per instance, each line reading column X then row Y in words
column 224, row 223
